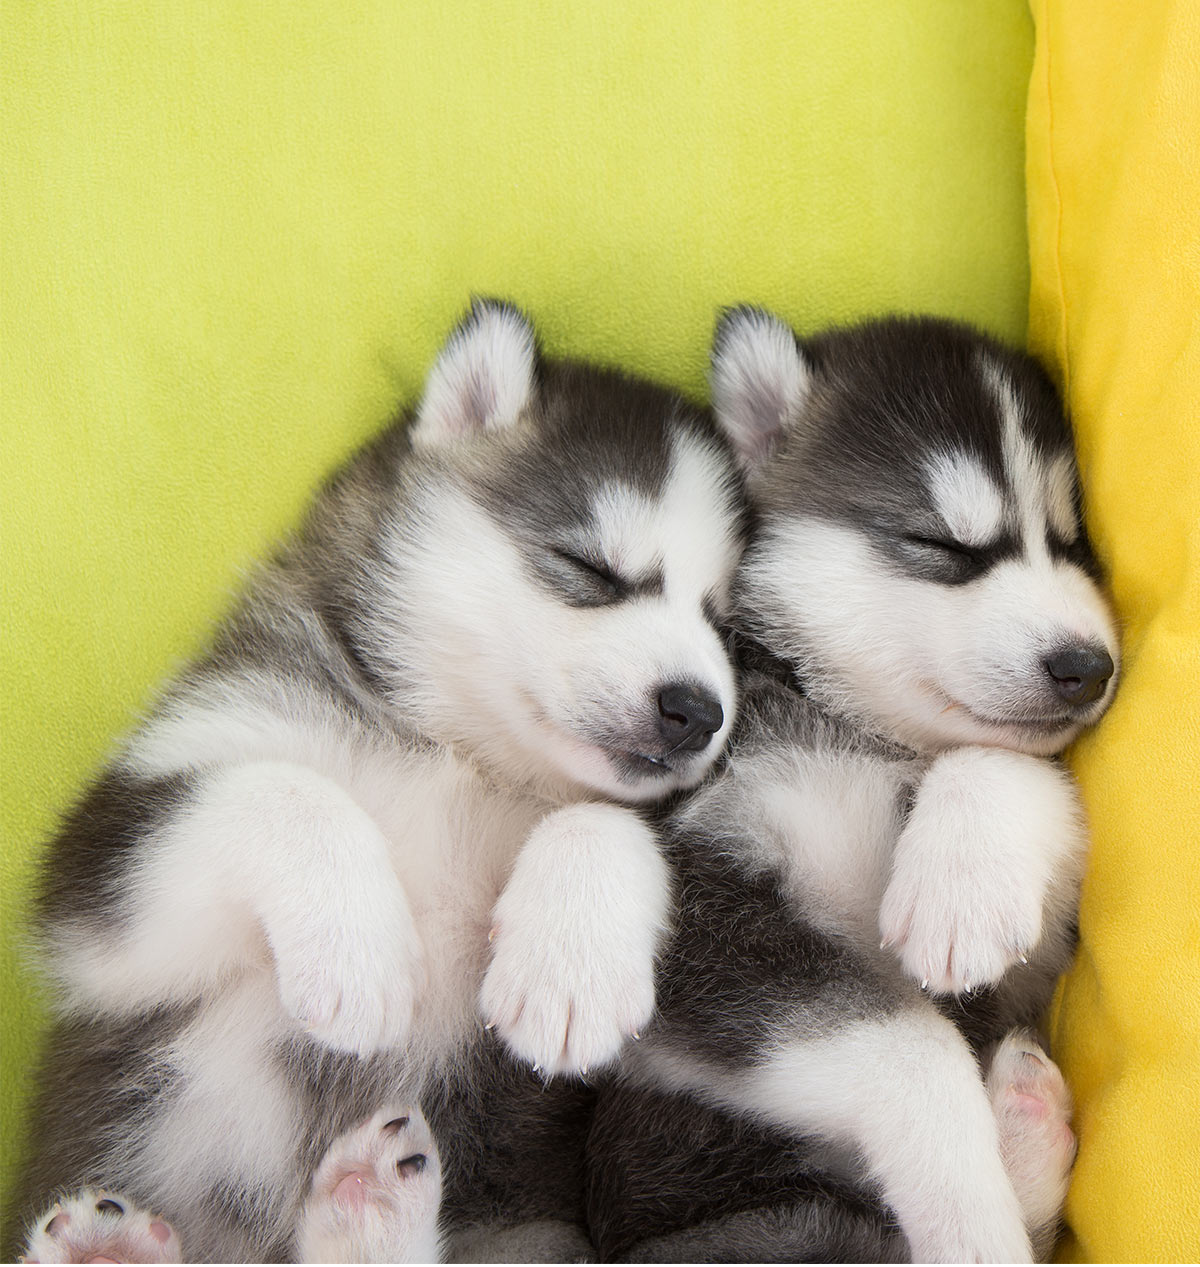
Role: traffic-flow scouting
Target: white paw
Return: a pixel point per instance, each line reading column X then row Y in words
column 558, row 1008
column 94, row 1226
column 961, row 930
column 351, row 983
column 1032, row 1105
column 988, row 834
column 375, row 1195
column 576, row 932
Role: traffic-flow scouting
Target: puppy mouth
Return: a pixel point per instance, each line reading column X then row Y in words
column 644, row 763
column 1043, row 726
column 674, row 764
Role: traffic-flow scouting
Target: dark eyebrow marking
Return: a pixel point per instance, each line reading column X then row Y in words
column 708, row 605
column 651, row 583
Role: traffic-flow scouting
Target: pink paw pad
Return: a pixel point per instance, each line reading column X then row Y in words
column 1032, row 1106
column 375, row 1159
column 375, row 1193
column 1037, row 1094
column 101, row 1227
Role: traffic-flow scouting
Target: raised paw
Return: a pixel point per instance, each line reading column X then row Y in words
column 375, row 1195
column 961, row 933
column 352, row 984
column 563, row 1012
column 989, row 835
column 962, row 906
column 576, row 931
column 1032, row 1105
column 94, row 1226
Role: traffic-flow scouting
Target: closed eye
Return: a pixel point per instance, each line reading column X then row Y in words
column 597, row 570
column 945, row 545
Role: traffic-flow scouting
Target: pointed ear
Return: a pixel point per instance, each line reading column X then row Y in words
column 483, row 378
column 759, row 379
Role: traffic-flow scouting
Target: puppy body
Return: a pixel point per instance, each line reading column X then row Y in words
column 274, row 913
column 920, row 608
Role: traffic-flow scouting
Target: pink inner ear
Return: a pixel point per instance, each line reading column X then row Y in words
column 161, row 1232
column 57, row 1223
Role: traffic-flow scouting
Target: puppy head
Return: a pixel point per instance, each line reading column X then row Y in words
column 565, row 556
column 920, row 555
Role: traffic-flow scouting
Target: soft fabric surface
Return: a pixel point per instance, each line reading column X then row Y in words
column 233, row 235
column 1114, row 216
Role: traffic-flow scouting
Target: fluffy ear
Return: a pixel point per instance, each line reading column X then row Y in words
column 483, row 378
column 759, row 378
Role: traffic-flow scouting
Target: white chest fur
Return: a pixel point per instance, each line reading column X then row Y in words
column 829, row 821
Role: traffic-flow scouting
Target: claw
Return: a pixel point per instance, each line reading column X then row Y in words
column 924, row 983
column 491, row 935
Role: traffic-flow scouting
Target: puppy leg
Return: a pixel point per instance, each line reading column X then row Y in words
column 100, row 1227
column 990, row 834
column 905, row 1092
column 1033, row 1110
column 577, row 929
column 266, row 848
column 375, row 1196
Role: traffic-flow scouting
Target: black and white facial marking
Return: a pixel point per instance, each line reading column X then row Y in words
column 569, row 546
column 921, row 556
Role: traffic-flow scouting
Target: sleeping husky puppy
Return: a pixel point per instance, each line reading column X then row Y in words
column 269, row 919
column 923, row 626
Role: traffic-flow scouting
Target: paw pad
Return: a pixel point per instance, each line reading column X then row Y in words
column 376, row 1193
column 99, row 1227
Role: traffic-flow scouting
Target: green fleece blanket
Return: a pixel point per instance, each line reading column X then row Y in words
column 233, row 235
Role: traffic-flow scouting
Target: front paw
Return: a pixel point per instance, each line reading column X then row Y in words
column 352, row 987
column 559, row 1007
column 990, row 834
column 576, row 933
column 958, row 931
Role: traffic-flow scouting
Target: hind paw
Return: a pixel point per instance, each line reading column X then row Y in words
column 375, row 1195
column 95, row 1226
column 1032, row 1106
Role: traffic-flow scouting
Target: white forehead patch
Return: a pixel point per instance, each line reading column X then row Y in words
column 1041, row 488
column 689, row 530
column 966, row 497
column 626, row 523
column 1060, row 497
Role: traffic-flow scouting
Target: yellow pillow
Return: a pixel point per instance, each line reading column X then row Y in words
column 1113, row 154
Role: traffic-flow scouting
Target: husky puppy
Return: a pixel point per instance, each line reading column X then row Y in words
column 387, row 787
column 922, row 627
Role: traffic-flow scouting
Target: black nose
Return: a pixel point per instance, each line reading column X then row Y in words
column 688, row 716
column 1080, row 674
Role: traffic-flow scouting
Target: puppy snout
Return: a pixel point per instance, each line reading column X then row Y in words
column 688, row 716
column 1080, row 673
